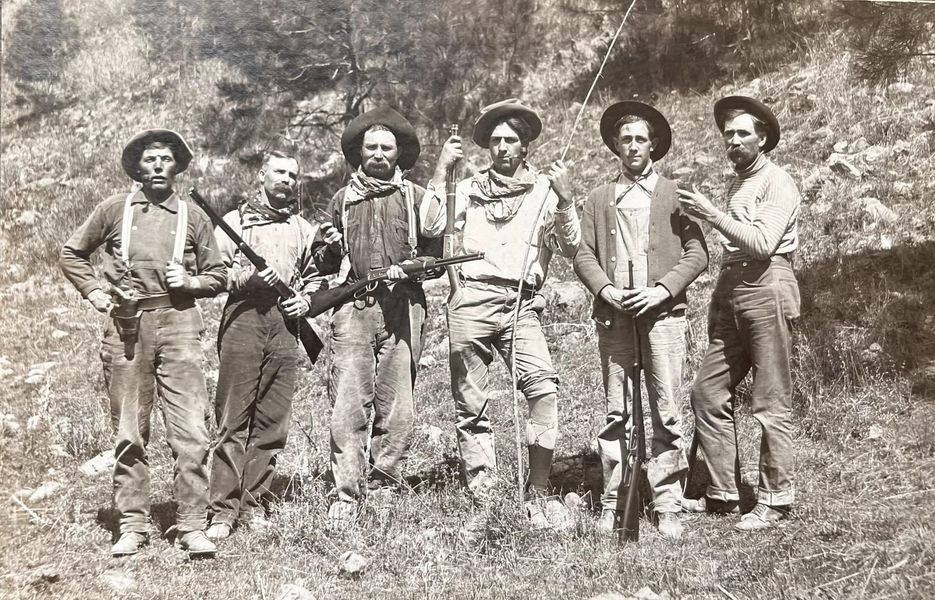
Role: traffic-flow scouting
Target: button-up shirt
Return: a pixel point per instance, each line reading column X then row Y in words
column 633, row 199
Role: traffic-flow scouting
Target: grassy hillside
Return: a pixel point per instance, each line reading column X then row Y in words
column 864, row 371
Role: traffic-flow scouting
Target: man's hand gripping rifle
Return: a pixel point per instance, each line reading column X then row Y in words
column 324, row 300
column 303, row 326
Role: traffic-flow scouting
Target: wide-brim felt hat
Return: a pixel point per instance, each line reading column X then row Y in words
column 407, row 140
column 662, row 132
column 133, row 150
column 494, row 113
column 753, row 107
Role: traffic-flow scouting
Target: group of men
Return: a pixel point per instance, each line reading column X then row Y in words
column 160, row 255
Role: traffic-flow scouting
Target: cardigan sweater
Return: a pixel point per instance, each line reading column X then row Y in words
column 677, row 251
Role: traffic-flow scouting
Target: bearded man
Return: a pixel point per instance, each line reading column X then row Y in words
column 377, row 339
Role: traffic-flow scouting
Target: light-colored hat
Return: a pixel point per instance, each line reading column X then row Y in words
column 130, row 159
column 494, row 113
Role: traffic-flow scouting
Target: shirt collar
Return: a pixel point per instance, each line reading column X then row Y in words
column 171, row 204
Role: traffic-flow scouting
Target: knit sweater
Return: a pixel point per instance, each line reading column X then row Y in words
column 677, row 253
column 762, row 213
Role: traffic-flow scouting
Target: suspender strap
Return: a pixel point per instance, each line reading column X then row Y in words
column 409, row 199
column 125, row 227
column 181, row 230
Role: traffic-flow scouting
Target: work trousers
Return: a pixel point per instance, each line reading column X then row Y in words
column 256, row 384
column 480, row 319
column 749, row 326
column 375, row 348
column 168, row 350
column 662, row 352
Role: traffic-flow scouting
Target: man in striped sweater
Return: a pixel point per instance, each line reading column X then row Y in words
column 755, row 301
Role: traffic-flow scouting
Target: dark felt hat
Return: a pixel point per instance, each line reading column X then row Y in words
column 130, row 159
column 492, row 114
column 753, row 107
column 661, row 130
column 407, row 139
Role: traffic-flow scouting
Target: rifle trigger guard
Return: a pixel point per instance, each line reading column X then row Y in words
column 366, row 290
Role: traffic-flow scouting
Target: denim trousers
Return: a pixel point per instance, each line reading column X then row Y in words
column 253, row 407
column 375, row 348
column 480, row 319
column 749, row 327
column 168, row 351
column 662, row 354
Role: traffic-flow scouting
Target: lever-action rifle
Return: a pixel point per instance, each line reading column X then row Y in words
column 327, row 299
column 636, row 456
column 304, row 327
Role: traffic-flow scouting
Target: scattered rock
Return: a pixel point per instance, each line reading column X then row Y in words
column 902, row 189
column 45, row 182
column 876, row 211
column 58, row 334
column 902, row 148
column 900, row 87
column 840, row 146
column 874, row 154
column 821, row 134
column 102, row 463
column 839, row 164
column 860, row 145
column 646, row 593
column 9, row 424
column 351, row 564
column 27, row 218
column 434, row 434
column 574, row 501
column 33, row 422
column 45, row 491
column 6, row 367
column 427, row 361
column 875, row 432
column 812, row 184
column 118, row 581
column 429, row 534
column 37, row 372
column 294, row 591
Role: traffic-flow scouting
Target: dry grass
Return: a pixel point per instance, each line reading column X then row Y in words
column 865, row 414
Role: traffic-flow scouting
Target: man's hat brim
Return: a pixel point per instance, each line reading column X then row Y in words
column 753, row 107
column 662, row 132
column 407, row 140
column 133, row 151
column 495, row 113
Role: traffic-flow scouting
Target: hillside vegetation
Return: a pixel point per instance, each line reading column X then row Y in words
column 80, row 78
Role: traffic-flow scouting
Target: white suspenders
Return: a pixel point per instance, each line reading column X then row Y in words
column 181, row 230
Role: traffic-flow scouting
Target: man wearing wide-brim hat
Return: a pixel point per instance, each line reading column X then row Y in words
column 754, row 305
column 635, row 218
column 377, row 339
column 160, row 254
column 500, row 211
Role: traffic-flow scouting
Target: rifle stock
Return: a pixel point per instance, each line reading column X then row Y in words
column 636, row 457
column 302, row 327
column 325, row 300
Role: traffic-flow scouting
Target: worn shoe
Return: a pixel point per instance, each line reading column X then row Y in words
column 763, row 516
column 557, row 513
column 218, row 531
column 670, row 526
column 129, row 543
column 342, row 514
column 197, row 544
column 535, row 512
column 607, row 522
column 482, row 488
column 708, row 505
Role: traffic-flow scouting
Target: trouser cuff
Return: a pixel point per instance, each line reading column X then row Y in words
column 774, row 498
column 722, row 495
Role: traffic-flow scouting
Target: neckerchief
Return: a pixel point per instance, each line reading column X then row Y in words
column 257, row 211
column 362, row 186
column 500, row 195
column 631, row 182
